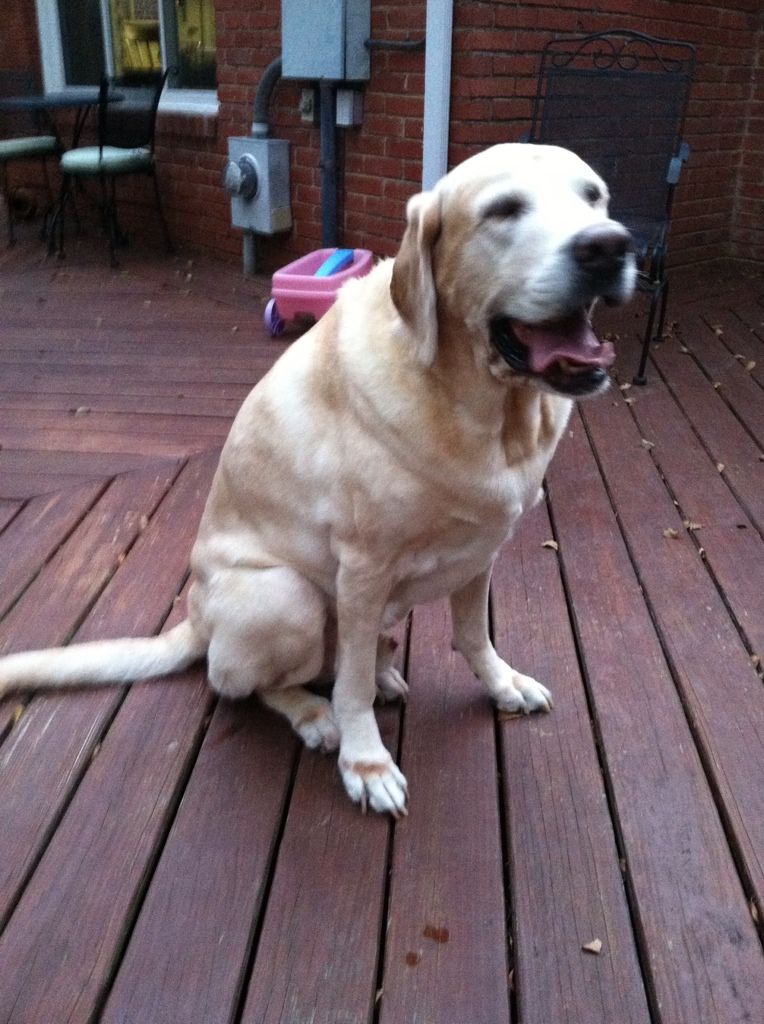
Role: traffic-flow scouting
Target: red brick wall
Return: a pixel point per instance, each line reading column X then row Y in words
column 747, row 236
column 380, row 161
column 495, row 60
column 720, row 202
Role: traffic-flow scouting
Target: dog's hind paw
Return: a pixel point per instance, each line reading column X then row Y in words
column 318, row 730
column 377, row 784
column 391, row 685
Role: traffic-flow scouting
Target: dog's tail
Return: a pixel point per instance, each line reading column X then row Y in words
column 102, row 662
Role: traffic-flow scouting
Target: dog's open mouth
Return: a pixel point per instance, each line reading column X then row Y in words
column 566, row 353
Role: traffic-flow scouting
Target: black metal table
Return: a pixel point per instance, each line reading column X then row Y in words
column 80, row 101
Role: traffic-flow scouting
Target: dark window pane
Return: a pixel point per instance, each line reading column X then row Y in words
column 82, row 41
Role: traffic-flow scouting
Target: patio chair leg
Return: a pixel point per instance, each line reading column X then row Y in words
column 662, row 314
column 640, row 377
column 4, row 187
column 57, row 221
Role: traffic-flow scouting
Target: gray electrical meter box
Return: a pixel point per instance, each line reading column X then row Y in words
column 257, row 178
column 326, row 40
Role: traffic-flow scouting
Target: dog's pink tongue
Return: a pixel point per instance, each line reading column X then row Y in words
column 572, row 339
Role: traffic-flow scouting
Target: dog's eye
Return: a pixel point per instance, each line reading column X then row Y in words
column 506, row 208
column 592, row 194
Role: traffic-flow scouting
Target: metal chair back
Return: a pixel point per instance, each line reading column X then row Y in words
column 619, row 100
column 131, row 123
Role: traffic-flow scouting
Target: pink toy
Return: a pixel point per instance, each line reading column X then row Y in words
column 297, row 290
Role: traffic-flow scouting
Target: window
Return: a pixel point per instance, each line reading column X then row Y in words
column 80, row 39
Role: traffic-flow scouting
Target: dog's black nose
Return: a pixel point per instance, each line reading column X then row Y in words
column 601, row 248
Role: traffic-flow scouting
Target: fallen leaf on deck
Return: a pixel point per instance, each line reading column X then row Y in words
column 81, row 410
column 720, row 467
column 143, row 522
column 551, row 544
column 717, row 385
column 595, row 946
column 647, row 444
column 436, row 933
column 684, row 350
column 18, row 711
column 750, row 366
column 671, row 534
column 691, row 525
column 629, row 401
column 717, row 329
column 625, row 387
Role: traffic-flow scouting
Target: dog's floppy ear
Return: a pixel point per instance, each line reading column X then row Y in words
column 413, row 284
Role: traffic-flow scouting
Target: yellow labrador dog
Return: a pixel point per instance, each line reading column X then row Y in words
column 386, row 457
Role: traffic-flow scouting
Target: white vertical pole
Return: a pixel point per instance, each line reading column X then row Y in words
column 437, row 90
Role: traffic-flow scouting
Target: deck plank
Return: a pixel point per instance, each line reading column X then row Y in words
column 167, row 866
column 728, row 374
column 732, row 547
column 566, row 884
column 702, row 954
column 446, row 955
column 212, row 877
column 8, row 510
column 35, row 535
column 721, row 432
column 58, row 950
column 727, row 717
column 324, row 974
column 53, row 742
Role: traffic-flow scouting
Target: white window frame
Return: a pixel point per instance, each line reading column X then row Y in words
column 182, row 101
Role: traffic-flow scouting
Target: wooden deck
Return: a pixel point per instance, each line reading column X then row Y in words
column 164, row 858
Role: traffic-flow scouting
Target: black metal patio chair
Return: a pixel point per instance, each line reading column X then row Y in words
column 125, row 146
column 619, row 100
column 24, row 135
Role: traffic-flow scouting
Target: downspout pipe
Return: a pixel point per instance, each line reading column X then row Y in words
column 437, row 90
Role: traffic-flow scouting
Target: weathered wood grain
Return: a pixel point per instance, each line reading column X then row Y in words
column 566, row 886
column 701, row 950
column 46, row 754
column 445, row 954
column 189, row 950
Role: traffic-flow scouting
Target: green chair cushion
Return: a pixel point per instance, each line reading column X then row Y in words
column 28, row 146
column 109, row 160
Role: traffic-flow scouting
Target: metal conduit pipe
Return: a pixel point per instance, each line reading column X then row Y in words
column 260, row 129
column 329, row 229
column 261, row 110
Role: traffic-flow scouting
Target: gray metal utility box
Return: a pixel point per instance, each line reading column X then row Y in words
column 326, row 39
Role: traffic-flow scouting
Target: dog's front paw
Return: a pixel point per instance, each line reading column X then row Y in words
column 378, row 784
column 519, row 693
